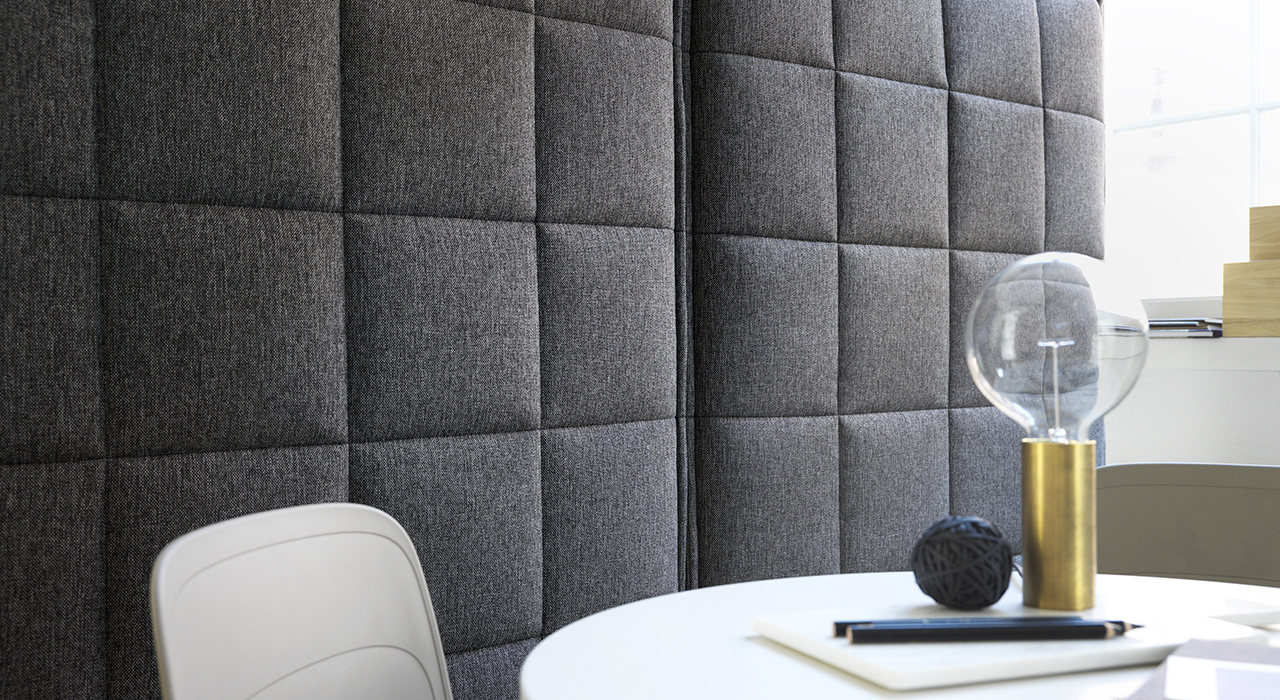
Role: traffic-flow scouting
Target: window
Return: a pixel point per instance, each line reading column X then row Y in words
column 1193, row 137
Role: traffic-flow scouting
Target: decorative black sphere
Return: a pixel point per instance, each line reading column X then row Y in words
column 962, row 562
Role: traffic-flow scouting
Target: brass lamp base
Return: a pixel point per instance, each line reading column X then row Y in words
column 1059, row 519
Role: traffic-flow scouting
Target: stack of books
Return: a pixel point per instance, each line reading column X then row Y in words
column 1186, row 327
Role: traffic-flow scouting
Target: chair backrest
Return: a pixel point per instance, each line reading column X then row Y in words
column 318, row 602
column 1217, row 522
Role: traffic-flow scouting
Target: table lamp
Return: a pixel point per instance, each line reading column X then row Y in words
column 1055, row 342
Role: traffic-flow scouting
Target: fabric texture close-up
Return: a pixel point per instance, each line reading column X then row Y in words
column 600, row 301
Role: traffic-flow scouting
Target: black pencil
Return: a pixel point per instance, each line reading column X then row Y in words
column 982, row 629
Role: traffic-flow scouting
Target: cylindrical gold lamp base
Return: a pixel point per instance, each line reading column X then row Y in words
column 1059, row 518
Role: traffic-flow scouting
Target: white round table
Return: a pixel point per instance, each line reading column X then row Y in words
column 699, row 644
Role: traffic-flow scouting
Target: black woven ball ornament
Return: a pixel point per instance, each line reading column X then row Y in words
column 962, row 562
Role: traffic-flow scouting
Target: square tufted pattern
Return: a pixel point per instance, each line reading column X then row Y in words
column 600, row 300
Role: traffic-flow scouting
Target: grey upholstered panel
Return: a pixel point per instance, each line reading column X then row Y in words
column 766, row 326
column 223, row 327
column 1071, row 56
column 50, row 366
column 473, row 508
column 898, row 41
column 652, row 17
column 997, row 175
column 970, row 272
column 894, row 307
column 609, row 517
column 47, row 144
column 763, row 142
column 436, row 348
column 986, row 477
column 892, row 156
column 418, row 137
column 796, row 31
column 1075, row 177
column 768, row 498
column 231, row 126
column 51, row 574
column 492, row 672
column 607, row 297
column 993, row 49
column 894, row 476
column 605, row 128
column 152, row 500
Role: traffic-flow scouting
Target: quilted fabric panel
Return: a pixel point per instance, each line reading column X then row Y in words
column 986, row 473
column 795, row 31
column 1071, row 55
column 970, row 272
column 993, row 49
column 1075, row 182
column 651, row 17
column 900, row 41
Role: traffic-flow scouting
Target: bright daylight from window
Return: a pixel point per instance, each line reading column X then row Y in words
column 1193, row 137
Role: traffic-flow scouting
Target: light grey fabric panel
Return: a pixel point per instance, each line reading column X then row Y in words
column 151, row 501
column 605, row 126
column 894, row 483
column 472, row 506
column 795, row 31
column 993, row 49
column 899, row 41
column 652, row 17
column 492, row 673
column 442, row 320
column 51, row 572
column 51, row 409
column 1075, row 179
column 892, row 156
column 607, row 297
column 250, row 118
column 768, row 498
column 997, row 175
column 894, row 328
column 224, row 328
column 47, row 127
column 986, row 469
column 1071, row 55
column 766, row 320
column 609, row 517
column 442, row 132
column 970, row 272
column 764, row 157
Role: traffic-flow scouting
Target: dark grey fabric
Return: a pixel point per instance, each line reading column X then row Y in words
column 894, row 482
column 997, row 175
column 606, row 143
column 1075, row 177
column 993, row 49
column 609, row 517
column 442, row 321
column 47, row 143
column 768, row 498
column 51, row 574
column 899, row 41
column 894, row 306
column 223, row 328
column 1071, row 56
column 652, row 17
column 969, row 274
column 607, row 299
column 892, row 155
column 986, row 476
column 473, row 507
column 450, row 150
column 763, row 141
column 766, row 321
column 492, row 672
column 796, row 31
column 217, row 105
column 51, row 409
column 151, row 501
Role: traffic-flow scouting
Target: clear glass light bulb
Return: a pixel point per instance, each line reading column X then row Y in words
column 1055, row 343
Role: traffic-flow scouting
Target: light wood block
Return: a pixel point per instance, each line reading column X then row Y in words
column 1251, row 299
column 1264, row 233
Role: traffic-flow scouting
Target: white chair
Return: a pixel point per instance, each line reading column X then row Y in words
column 318, row 602
column 1217, row 522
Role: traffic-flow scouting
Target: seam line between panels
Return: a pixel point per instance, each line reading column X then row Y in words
column 841, row 313
column 534, row 14
column 537, row 287
column 1044, row 129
